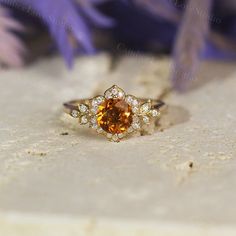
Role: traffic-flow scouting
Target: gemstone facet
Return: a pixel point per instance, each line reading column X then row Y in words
column 114, row 116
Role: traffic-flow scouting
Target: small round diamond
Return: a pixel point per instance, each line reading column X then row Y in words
column 94, row 102
column 114, row 91
column 135, row 102
column 100, row 99
column 83, row 120
column 136, row 126
column 146, row 119
column 93, row 120
column 120, row 94
column 97, row 100
column 108, row 94
column 155, row 113
column 75, row 113
column 94, row 109
column 129, row 99
column 83, row 108
column 145, row 108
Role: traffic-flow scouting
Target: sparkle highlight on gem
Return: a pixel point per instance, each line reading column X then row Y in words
column 115, row 116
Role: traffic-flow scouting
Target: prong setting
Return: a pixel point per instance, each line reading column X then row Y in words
column 83, row 108
column 114, row 92
column 74, row 113
column 114, row 114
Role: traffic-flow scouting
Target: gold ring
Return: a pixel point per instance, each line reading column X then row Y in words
column 115, row 114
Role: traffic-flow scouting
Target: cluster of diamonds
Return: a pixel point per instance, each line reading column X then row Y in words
column 82, row 114
column 141, row 113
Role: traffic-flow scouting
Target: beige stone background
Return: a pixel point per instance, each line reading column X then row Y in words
column 179, row 181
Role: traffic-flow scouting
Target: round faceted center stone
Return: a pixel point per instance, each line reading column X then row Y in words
column 114, row 116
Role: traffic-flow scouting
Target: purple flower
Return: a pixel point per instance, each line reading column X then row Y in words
column 189, row 29
column 193, row 30
column 65, row 19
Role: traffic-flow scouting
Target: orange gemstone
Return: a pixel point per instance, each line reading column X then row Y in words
column 114, row 116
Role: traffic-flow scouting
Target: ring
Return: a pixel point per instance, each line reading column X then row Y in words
column 115, row 114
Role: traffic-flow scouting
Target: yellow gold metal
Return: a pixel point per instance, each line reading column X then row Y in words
column 115, row 114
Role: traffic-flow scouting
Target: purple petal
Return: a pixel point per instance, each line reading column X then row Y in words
column 62, row 19
column 190, row 42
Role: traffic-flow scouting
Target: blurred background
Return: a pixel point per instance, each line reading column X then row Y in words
column 190, row 31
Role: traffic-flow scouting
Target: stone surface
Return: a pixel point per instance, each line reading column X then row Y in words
column 57, row 178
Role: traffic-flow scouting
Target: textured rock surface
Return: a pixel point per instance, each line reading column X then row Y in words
column 60, row 179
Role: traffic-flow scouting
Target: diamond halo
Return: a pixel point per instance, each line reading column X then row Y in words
column 114, row 114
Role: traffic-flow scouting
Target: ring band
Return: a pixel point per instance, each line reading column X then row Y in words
column 115, row 114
